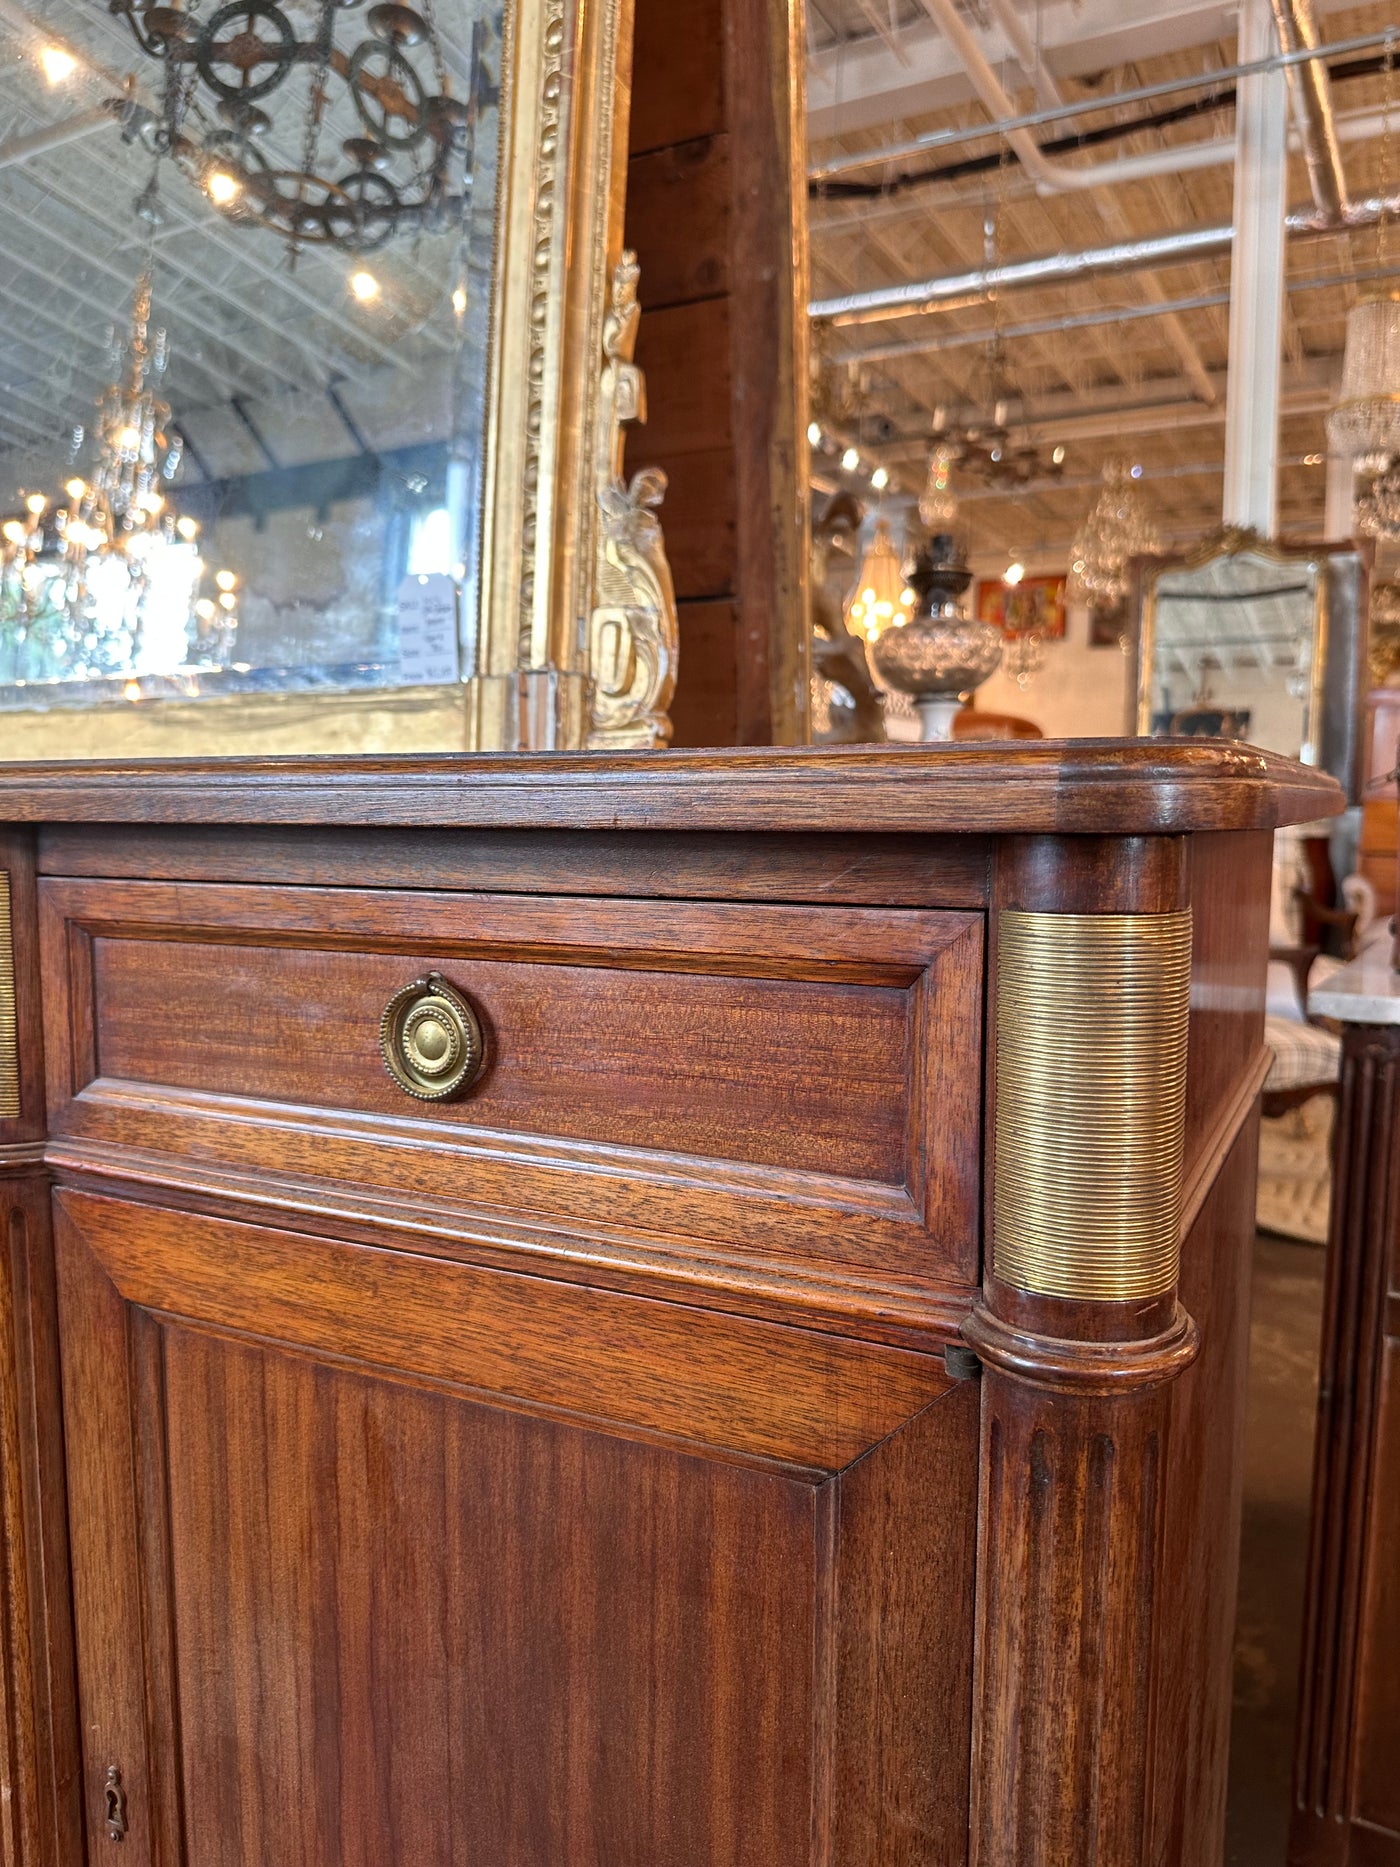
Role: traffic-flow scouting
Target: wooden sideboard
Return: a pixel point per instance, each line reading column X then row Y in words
column 784, row 1410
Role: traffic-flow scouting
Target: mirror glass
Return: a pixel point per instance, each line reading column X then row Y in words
column 1235, row 651
column 246, row 264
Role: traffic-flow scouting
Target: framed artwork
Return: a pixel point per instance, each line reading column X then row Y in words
column 1035, row 604
column 350, row 478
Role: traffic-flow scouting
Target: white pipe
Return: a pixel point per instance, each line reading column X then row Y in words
column 1049, row 93
column 69, row 130
column 1256, row 285
column 1050, row 177
column 1311, row 85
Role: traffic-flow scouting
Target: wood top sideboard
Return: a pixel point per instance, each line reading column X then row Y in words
column 675, row 1311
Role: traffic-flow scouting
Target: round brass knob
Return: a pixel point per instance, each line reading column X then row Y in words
column 431, row 1040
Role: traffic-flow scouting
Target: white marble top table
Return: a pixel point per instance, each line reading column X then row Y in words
column 1365, row 992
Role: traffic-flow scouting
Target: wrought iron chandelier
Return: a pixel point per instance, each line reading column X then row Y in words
column 1116, row 530
column 409, row 168
column 985, row 448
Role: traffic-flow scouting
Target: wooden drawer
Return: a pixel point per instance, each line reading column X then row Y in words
column 786, row 1084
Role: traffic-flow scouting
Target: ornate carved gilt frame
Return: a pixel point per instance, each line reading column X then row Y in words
column 551, row 460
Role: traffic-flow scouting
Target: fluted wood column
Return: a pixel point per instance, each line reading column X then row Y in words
column 1080, row 1333
column 1344, row 1805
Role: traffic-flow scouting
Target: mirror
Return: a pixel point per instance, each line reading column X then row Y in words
column 307, row 442
column 1249, row 640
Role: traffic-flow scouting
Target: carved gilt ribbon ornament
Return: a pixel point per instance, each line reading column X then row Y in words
column 633, row 635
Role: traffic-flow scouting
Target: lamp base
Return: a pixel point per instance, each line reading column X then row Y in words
column 936, row 715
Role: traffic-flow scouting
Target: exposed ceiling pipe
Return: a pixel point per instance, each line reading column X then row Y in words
column 1050, row 176
column 1083, row 320
column 912, row 297
column 1312, row 94
column 1354, row 126
column 1048, row 91
column 56, row 135
column 960, row 133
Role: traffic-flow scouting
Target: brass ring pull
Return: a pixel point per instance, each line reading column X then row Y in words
column 431, row 1040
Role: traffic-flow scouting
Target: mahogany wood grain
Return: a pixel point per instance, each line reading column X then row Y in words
column 1346, row 1787
column 448, row 1630
column 881, row 871
column 1103, row 787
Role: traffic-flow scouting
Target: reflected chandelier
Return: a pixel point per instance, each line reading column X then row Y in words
column 1376, row 509
column 398, row 172
column 1116, row 530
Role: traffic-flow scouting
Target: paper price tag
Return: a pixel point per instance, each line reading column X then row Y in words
column 428, row 650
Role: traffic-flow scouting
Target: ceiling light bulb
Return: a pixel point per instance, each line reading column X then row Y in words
column 814, row 434
column 75, row 488
column 1058, row 456
column 36, row 503
column 850, row 460
column 14, row 531
column 205, row 609
column 223, row 187
column 879, row 479
column 227, row 600
column 187, row 527
column 225, row 579
column 58, row 62
column 129, row 439
column 365, row 287
column 459, row 300
column 1014, row 572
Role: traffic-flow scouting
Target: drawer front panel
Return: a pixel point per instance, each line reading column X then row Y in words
column 770, row 1072
column 778, row 1080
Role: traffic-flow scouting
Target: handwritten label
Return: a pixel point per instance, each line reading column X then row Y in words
column 428, row 652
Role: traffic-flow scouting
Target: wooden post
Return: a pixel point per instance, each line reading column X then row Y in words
column 716, row 212
column 1080, row 1334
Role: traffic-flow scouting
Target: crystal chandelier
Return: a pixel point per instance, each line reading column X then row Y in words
column 1116, row 530
column 1376, row 509
column 1365, row 424
column 881, row 598
column 138, row 453
column 76, row 572
column 409, row 167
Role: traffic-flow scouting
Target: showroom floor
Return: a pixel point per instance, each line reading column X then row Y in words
column 1285, row 1326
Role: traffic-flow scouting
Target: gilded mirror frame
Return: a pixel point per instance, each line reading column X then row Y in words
column 561, row 534
column 1334, row 696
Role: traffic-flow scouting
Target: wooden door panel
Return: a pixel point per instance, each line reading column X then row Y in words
column 338, row 1605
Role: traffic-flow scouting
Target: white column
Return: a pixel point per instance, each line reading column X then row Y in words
column 1341, row 473
column 1256, row 282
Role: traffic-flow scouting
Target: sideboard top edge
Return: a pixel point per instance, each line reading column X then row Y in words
column 1067, row 787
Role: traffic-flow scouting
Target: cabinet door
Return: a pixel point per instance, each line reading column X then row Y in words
column 388, row 1558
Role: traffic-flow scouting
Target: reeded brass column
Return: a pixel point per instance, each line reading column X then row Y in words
column 1091, row 1102
column 9, row 1017
column 1079, row 1333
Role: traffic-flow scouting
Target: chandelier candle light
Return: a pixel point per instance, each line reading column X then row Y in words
column 881, row 598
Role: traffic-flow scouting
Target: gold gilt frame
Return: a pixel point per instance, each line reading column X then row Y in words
column 564, row 541
column 1229, row 541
